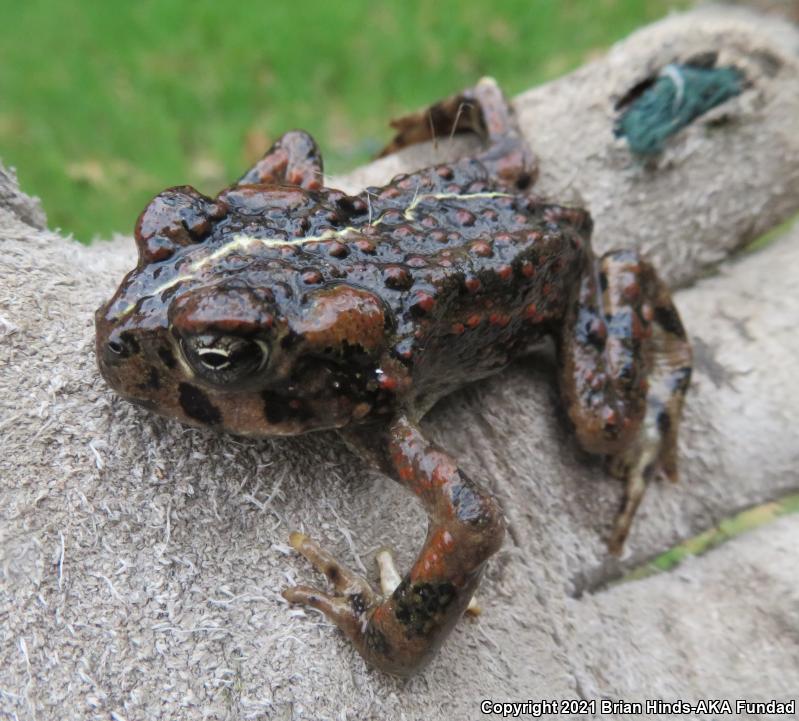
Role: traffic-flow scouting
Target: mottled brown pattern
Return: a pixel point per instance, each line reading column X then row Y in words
column 280, row 307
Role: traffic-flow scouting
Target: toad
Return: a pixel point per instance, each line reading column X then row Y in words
column 281, row 306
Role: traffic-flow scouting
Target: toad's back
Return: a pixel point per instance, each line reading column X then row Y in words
column 468, row 270
column 478, row 270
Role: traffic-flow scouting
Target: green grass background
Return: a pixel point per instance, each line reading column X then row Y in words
column 103, row 104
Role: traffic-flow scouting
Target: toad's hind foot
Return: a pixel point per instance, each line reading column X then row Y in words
column 483, row 110
column 652, row 452
column 648, row 457
column 626, row 364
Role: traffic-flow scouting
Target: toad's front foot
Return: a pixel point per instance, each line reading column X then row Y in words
column 354, row 605
column 400, row 633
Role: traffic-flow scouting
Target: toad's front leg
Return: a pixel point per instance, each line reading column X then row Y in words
column 401, row 633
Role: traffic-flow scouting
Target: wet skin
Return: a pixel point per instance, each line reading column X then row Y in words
column 280, row 307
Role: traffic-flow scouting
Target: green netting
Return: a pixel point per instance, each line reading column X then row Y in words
column 680, row 94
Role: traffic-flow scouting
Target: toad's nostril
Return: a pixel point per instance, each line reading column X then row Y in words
column 120, row 345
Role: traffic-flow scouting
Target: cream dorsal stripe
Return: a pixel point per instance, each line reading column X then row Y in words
column 245, row 242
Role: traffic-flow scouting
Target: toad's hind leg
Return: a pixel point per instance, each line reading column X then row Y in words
column 625, row 367
column 484, row 110
column 401, row 632
column 294, row 159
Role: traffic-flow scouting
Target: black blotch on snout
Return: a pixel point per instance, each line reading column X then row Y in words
column 130, row 342
column 167, row 357
column 197, row 405
column 153, row 381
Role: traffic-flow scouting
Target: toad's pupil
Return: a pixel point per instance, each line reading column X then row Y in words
column 115, row 347
column 214, row 359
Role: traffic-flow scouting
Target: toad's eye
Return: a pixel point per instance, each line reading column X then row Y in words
column 224, row 359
